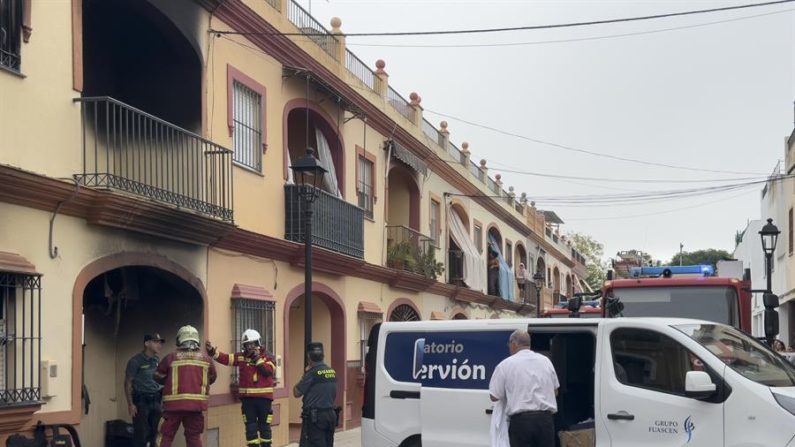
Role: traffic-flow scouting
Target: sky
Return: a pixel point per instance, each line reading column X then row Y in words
column 706, row 96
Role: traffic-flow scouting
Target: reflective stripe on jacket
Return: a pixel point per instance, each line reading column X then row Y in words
column 252, row 382
column 187, row 383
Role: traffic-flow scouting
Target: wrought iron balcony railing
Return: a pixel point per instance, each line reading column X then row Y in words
column 410, row 250
column 336, row 224
column 130, row 150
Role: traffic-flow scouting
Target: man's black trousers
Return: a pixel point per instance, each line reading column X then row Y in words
column 317, row 430
column 146, row 419
column 532, row 429
column 256, row 411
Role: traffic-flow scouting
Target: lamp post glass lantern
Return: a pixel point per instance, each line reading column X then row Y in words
column 769, row 235
column 309, row 175
column 539, row 280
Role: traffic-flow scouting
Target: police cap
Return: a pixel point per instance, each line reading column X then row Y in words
column 315, row 347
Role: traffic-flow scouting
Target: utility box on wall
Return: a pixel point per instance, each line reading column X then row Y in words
column 48, row 370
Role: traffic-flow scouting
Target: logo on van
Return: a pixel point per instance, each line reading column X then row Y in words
column 443, row 362
column 689, row 427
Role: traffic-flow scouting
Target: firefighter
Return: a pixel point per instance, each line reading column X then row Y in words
column 318, row 387
column 256, row 371
column 187, row 374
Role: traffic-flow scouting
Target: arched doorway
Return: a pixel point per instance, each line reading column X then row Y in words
column 122, row 298
column 403, row 198
column 495, row 251
column 319, row 132
column 134, row 53
column 569, row 286
column 328, row 327
column 521, row 258
column 555, row 285
column 459, row 316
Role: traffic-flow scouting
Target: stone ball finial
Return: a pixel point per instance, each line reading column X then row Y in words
column 533, row 203
column 336, row 22
column 498, row 177
column 380, row 64
column 413, row 96
column 465, row 146
column 443, row 124
column 482, row 162
column 524, row 195
column 510, row 189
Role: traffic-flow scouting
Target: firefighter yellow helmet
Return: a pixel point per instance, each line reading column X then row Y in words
column 187, row 333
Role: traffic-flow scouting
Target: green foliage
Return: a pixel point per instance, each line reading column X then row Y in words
column 400, row 255
column 430, row 266
column 707, row 256
column 592, row 251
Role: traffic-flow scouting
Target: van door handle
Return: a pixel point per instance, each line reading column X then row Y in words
column 489, row 410
column 621, row 417
column 396, row 394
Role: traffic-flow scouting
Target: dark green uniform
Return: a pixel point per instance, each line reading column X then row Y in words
column 319, row 389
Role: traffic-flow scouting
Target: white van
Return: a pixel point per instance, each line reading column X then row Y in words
column 635, row 381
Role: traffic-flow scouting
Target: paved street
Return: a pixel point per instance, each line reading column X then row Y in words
column 348, row 438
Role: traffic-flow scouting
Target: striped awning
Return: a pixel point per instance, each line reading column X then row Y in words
column 437, row 316
column 411, row 160
column 370, row 308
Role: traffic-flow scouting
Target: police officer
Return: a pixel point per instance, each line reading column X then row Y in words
column 318, row 387
column 187, row 374
column 142, row 392
column 256, row 368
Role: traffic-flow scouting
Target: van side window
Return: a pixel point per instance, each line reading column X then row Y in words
column 651, row 360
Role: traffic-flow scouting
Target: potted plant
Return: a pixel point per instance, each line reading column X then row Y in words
column 399, row 256
column 431, row 268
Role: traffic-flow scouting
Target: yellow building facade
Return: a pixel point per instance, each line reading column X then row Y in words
column 145, row 184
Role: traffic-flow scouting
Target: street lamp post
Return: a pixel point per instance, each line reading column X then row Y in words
column 539, row 279
column 769, row 235
column 309, row 175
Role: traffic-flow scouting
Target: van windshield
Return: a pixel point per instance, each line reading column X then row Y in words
column 717, row 303
column 743, row 353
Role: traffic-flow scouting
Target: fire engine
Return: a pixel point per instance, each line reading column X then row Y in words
column 691, row 291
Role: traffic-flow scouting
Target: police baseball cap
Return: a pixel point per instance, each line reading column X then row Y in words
column 315, row 347
column 154, row 337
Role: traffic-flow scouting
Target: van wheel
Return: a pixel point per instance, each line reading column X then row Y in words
column 412, row 441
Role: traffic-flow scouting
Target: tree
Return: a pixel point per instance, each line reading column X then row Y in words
column 709, row 256
column 592, row 251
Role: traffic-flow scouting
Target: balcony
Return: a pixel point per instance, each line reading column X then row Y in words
column 337, row 225
column 412, row 251
column 128, row 150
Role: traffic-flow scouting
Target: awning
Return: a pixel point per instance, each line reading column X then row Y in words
column 370, row 308
column 583, row 284
column 243, row 291
column 437, row 316
column 319, row 84
column 14, row 263
column 411, row 160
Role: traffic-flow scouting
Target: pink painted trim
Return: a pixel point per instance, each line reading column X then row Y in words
column 242, row 291
column 329, row 131
column 233, row 74
column 338, row 336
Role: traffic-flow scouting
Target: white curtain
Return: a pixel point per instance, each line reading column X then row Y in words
column 324, row 155
column 290, row 178
column 474, row 267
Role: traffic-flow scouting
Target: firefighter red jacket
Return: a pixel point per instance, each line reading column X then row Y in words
column 188, row 375
column 252, row 382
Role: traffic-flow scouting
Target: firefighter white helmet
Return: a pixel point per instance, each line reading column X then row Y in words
column 249, row 336
column 186, row 334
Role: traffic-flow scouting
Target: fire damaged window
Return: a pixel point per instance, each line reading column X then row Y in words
column 253, row 314
column 10, row 33
column 20, row 346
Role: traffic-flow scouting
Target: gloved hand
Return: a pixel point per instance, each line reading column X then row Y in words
column 210, row 348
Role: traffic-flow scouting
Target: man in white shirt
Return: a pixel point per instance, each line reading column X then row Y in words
column 527, row 384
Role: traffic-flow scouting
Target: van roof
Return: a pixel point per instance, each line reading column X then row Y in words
column 524, row 322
